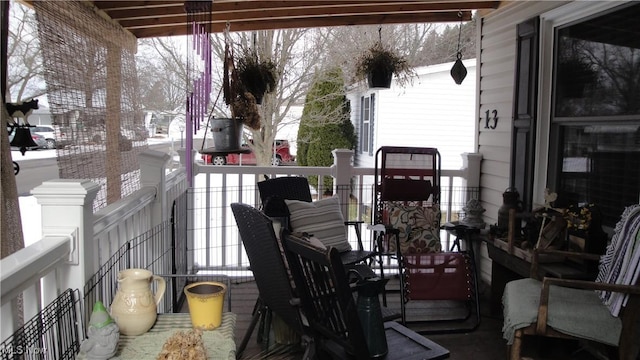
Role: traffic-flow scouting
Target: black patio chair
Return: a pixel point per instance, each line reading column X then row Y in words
column 271, row 276
column 274, row 191
column 328, row 304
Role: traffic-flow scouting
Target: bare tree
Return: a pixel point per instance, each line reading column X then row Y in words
column 24, row 78
column 296, row 53
column 162, row 71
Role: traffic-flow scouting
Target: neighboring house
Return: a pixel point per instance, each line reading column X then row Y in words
column 433, row 111
column 160, row 121
column 41, row 116
column 523, row 82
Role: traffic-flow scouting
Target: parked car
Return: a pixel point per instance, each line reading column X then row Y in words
column 48, row 133
column 54, row 138
column 281, row 149
column 38, row 139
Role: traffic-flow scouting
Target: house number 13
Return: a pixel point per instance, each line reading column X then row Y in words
column 489, row 118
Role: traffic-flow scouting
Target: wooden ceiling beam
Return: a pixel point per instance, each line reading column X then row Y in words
column 240, row 5
column 273, row 16
column 168, row 17
column 269, row 24
column 114, row 5
column 311, row 11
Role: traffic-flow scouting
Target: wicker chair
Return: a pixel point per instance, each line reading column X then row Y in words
column 328, row 303
column 270, row 272
column 274, row 191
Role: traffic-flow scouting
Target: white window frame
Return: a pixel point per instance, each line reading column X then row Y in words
column 369, row 138
column 549, row 21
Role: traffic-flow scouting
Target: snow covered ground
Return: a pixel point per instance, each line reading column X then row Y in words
column 30, row 209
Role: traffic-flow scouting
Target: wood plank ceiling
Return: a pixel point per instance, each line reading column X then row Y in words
column 155, row 18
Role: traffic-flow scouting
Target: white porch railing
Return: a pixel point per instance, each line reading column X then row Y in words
column 77, row 242
column 216, row 246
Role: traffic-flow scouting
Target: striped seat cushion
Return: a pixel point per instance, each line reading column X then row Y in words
column 322, row 219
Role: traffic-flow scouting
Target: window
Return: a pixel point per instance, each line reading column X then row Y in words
column 366, row 123
column 595, row 115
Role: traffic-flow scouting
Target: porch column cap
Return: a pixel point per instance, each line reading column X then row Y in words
column 342, row 152
column 66, row 192
column 154, row 157
column 472, row 155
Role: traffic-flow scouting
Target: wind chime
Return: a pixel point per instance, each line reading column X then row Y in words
column 459, row 71
column 199, row 18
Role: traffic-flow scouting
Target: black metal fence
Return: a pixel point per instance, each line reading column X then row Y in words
column 165, row 252
column 54, row 333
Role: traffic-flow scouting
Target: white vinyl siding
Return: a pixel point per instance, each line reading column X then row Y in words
column 496, row 90
column 497, row 66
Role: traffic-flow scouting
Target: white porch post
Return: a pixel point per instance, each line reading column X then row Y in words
column 182, row 152
column 153, row 172
column 67, row 210
column 471, row 165
column 341, row 171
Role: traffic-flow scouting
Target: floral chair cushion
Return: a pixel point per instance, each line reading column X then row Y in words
column 419, row 228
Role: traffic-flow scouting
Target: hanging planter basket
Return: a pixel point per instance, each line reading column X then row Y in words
column 257, row 76
column 377, row 65
column 379, row 78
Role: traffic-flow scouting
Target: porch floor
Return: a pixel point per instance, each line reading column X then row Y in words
column 484, row 343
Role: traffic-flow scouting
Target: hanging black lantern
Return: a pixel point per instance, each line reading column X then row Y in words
column 458, row 71
column 22, row 138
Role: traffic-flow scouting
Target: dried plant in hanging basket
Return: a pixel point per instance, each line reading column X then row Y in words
column 379, row 61
column 244, row 107
column 245, row 82
column 257, row 76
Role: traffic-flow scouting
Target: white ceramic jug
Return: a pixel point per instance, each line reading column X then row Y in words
column 135, row 307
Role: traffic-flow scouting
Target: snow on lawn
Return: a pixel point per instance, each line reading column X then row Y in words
column 30, row 210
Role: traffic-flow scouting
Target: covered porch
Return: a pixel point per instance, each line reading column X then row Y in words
column 180, row 233
column 194, row 198
column 188, row 234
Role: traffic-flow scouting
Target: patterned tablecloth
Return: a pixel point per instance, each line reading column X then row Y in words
column 219, row 343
